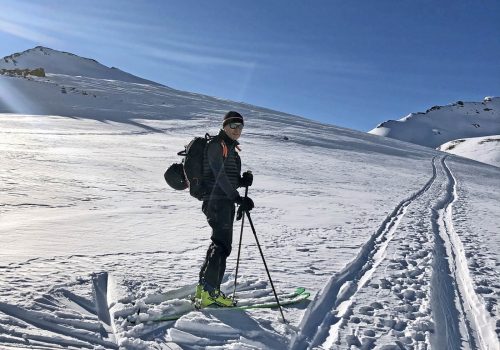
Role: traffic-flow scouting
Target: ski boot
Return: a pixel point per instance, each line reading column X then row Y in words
column 215, row 297
column 197, row 293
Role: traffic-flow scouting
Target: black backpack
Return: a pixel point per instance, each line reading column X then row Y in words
column 189, row 173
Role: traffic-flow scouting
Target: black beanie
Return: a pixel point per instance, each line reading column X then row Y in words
column 232, row 117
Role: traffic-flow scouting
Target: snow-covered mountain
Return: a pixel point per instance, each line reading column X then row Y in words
column 441, row 124
column 57, row 62
column 398, row 243
column 484, row 149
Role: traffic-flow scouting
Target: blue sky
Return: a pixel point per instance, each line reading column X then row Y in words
column 348, row 63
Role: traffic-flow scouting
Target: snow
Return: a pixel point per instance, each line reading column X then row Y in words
column 444, row 126
column 441, row 124
column 484, row 149
column 398, row 243
column 58, row 62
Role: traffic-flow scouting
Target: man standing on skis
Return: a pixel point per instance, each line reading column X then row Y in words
column 221, row 178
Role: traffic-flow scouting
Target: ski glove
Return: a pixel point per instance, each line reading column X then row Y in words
column 246, row 179
column 246, row 204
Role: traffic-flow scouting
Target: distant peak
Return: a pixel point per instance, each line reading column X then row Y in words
column 46, row 51
column 66, row 63
column 41, row 48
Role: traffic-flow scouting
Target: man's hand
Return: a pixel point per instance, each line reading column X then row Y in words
column 246, row 204
column 246, row 179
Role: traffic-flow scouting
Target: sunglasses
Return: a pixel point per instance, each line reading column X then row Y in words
column 236, row 126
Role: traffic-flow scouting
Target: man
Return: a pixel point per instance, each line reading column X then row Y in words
column 221, row 178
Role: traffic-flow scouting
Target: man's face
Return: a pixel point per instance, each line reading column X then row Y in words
column 233, row 130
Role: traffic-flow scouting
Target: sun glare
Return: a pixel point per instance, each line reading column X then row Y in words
column 13, row 100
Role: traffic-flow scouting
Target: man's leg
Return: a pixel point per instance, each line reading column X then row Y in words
column 220, row 216
column 229, row 233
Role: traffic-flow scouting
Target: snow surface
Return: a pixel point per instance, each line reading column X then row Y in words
column 442, row 124
column 484, row 149
column 58, row 62
column 398, row 243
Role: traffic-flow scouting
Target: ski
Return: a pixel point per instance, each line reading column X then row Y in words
column 268, row 302
column 270, row 298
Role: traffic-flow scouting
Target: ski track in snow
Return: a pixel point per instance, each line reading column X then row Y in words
column 476, row 326
column 424, row 247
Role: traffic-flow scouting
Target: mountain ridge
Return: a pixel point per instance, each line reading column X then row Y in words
column 95, row 97
column 67, row 63
column 442, row 127
column 92, row 90
column 440, row 124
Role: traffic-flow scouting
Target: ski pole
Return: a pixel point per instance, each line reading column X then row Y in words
column 239, row 248
column 265, row 265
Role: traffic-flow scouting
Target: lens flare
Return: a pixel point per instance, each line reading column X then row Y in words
column 13, row 100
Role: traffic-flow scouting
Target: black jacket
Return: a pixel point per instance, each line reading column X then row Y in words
column 221, row 174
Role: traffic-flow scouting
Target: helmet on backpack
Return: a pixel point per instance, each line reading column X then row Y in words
column 189, row 173
column 175, row 177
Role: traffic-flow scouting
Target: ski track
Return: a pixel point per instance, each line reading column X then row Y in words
column 343, row 286
column 416, row 244
column 474, row 322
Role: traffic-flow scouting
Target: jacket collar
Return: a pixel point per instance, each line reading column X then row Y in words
column 227, row 139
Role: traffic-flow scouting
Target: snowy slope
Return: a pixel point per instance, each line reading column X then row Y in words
column 483, row 149
column 58, row 62
column 397, row 242
column 441, row 124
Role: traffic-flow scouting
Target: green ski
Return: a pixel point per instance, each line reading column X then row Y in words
column 295, row 297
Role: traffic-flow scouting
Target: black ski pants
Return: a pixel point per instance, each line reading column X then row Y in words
column 220, row 217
